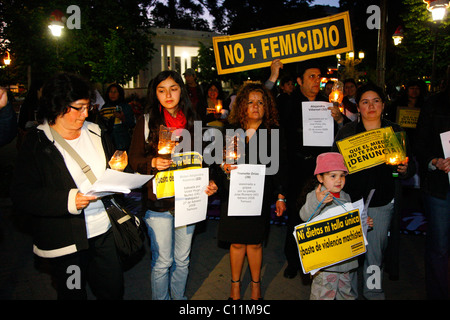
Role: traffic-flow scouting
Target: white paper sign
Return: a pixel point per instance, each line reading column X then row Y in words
column 191, row 200
column 318, row 124
column 113, row 181
column 445, row 139
column 246, row 190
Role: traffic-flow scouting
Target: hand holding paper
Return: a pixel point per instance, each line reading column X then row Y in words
column 113, row 181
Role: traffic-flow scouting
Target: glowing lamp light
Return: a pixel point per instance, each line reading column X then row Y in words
column 437, row 8
column 56, row 28
column 398, row 36
column 56, row 23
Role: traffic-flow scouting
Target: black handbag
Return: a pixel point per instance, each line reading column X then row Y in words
column 129, row 235
column 128, row 232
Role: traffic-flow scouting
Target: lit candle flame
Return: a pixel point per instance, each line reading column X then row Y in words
column 165, row 150
column 218, row 108
column 336, row 96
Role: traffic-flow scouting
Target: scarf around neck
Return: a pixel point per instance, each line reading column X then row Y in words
column 179, row 121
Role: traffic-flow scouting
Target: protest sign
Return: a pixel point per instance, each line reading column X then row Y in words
column 291, row 43
column 318, row 124
column 246, row 190
column 445, row 140
column 191, row 200
column 407, row 117
column 326, row 242
column 163, row 183
column 368, row 149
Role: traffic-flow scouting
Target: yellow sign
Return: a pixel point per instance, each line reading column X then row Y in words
column 291, row 43
column 367, row 149
column 163, row 183
column 407, row 117
column 329, row 241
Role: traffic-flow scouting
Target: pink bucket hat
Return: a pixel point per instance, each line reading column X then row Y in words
column 330, row 161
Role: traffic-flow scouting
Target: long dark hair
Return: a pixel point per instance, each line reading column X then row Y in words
column 120, row 90
column 156, row 115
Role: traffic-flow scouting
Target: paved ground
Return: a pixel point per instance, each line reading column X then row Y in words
column 22, row 277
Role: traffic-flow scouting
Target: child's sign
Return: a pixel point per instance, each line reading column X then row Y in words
column 329, row 241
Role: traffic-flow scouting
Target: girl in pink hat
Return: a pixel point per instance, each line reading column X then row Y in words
column 334, row 282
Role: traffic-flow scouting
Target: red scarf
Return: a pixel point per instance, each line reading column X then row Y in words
column 336, row 195
column 178, row 122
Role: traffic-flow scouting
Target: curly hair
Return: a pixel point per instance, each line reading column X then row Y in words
column 238, row 114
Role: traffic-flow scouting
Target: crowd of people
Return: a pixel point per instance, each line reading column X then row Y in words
column 71, row 228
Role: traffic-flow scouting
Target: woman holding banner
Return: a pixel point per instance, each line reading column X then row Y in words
column 370, row 104
column 253, row 111
column 168, row 105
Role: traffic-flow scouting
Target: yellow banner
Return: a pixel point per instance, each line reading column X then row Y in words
column 367, row 149
column 163, row 183
column 291, row 43
column 407, row 117
column 329, row 241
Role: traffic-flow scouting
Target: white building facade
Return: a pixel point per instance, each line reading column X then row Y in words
column 176, row 49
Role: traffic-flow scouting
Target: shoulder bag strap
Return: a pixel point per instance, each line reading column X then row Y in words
column 84, row 166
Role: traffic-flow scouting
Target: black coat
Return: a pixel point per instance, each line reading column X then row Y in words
column 359, row 184
column 40, row 188
column 434, row 119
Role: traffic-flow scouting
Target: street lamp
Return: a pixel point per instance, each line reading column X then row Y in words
column 56, row 24
column 398, row 35
column 349, row 63
column 56, row 28
column 437, row 8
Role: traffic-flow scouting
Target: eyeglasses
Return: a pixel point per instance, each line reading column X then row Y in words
column 83, row 109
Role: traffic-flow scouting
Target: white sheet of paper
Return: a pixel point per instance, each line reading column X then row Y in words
column 191, row 200
column 113, row 181
column 246, row 190
column 318, row 124
column 445, row 139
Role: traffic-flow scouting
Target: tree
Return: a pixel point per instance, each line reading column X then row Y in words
column 112, row 45
column 179, row 14
column 420, row 36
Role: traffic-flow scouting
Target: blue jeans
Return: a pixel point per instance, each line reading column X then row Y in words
column 437, row 246
column 170, row 248
column 378, row 241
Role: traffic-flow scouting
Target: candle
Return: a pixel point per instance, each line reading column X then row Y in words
column 337, row 93
column 164, row 150
column 218, row 108
column 119, row 160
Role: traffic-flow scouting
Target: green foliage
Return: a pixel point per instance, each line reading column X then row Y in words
column 112, row 45
column 420, row 34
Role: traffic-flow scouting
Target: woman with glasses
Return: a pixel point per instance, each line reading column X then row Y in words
column 70, row 229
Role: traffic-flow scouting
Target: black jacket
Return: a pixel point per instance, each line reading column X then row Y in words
column 41, row 188
column 380, row 178
column 434, row 119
